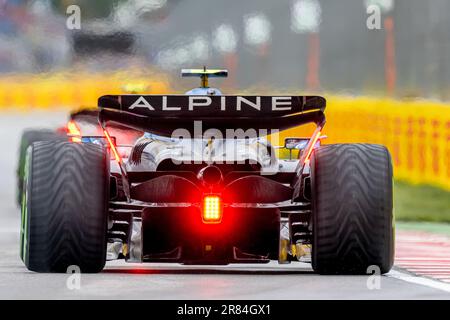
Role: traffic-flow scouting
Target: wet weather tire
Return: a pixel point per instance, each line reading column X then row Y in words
column 64, row 212
column 352, row 209
column 28, row 138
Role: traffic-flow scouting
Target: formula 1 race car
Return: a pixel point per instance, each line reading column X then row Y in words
column 193, row 179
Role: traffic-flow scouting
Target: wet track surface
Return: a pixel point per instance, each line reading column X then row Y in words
column 166, row 281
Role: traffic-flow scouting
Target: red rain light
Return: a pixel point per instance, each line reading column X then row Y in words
column 212, row 209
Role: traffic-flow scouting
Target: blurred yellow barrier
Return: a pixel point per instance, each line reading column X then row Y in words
column 71, row 90
column 417, row 133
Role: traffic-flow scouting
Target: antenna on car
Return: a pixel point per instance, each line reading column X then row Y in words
column 204, row 74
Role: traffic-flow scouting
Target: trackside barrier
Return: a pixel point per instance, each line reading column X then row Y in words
column 67, row 90
column 417, row 132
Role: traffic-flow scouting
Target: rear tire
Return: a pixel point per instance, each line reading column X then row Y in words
column 65, row 206
column 352, row 209
column 30, row 136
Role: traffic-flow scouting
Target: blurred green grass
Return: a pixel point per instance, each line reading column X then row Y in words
column 421, row 203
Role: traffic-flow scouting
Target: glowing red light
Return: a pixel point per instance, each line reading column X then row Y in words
column 212, row 209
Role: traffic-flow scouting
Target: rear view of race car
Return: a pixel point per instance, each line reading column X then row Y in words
column 203, row 185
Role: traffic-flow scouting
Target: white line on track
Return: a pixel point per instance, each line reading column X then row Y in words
column 419, row 280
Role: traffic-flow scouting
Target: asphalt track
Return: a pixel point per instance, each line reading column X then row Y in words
column 163, row 281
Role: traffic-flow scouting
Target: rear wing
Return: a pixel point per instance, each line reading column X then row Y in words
column 162, row 114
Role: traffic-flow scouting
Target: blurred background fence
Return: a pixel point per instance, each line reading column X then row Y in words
column 417, row 133
column 72, row 90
